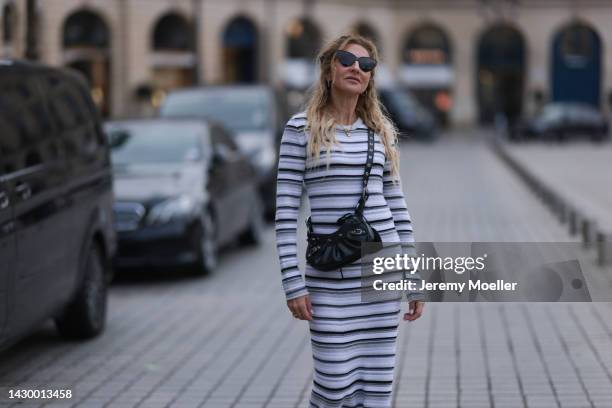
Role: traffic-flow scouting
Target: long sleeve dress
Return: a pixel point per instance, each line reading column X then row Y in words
column 353, row 342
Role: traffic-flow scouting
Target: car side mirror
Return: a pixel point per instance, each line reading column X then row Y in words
column 217, row 159
column 220, row 156
column 117, row 138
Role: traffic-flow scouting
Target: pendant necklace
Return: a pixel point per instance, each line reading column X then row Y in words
column 347, row 132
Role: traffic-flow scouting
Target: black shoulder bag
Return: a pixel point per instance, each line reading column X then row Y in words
column 330, row 251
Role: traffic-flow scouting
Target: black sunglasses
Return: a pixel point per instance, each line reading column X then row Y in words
column 366, row 64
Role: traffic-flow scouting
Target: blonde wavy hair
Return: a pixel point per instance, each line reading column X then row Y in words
column 321, row 123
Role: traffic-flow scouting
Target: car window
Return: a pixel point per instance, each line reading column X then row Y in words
column 220, row 137
column 401, row 104
column 26, row 128
column 153, row 143
column 223, row 144
column 237, row 109
column 9, row 142
column 552, row 113
column 76, row 124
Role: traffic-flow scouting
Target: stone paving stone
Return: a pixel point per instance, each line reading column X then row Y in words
column 210, row 342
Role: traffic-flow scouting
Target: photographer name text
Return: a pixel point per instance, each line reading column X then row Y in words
column 478, row 285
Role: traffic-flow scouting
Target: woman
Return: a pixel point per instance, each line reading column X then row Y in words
column 353, row 342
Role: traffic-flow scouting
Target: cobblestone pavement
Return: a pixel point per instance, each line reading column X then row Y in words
column 228, row 340
column 501, row 355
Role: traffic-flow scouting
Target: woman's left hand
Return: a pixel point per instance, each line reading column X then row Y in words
column 415, row 309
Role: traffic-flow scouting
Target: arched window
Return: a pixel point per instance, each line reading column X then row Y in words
column 240, row 50
column 173, row 59
column 173, row 32
column 303, row 39
column 367, row 31
column 427, row 44
column 576, row 44
column 87, row 42
column 427, row 69
column 577, row 55
column 500, row 76
column 86, row 29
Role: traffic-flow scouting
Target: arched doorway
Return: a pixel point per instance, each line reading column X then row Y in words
column 240, row 51
column 427, row 69
column 366, row 30
column 303, row 39
column 87, row 44
column 500, row 74
column 576, row 65
column 384, row 78
column 173, row 59
column 299, row 68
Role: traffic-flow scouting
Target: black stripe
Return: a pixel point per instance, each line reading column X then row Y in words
column 352, row 304
column 350, row 343
column 335, row 178
column 363, row 330
column 354, row 317
column 358, row 381
column 345, row 208
column 348, row 396
column 365, row 368
column 336, row 195
column 354, row 357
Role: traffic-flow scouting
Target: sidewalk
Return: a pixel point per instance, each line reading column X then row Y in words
column 575, row 178
column 501, row 355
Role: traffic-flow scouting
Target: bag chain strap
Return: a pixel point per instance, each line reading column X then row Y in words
column 366, row 176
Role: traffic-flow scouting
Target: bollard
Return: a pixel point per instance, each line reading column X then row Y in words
column 604, row 248
column 574, row 220
column 563, row 211
column 555, row 206
column 589, row 231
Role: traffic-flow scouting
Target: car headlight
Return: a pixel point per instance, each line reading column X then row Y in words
column 170, row 209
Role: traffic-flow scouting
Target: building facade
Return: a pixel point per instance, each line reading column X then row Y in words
column 468, row 60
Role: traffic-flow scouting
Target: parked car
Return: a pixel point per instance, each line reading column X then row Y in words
column 254, row 115
column 411, row 118
column 56, row 234
column 560, row 120
column 183, row 189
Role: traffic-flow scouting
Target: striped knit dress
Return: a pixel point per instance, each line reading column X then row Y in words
column 353, row 342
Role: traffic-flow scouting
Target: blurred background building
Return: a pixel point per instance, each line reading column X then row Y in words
column 467, row 60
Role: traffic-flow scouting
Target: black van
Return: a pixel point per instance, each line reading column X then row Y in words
column 56, row 231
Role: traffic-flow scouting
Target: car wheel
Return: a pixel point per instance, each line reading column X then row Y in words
column 85, row 316
column 204, row 238
column 254, row 232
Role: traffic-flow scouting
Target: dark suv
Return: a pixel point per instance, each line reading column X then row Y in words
column 56, row 231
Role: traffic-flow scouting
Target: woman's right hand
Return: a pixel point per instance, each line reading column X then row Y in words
column 300, row 307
